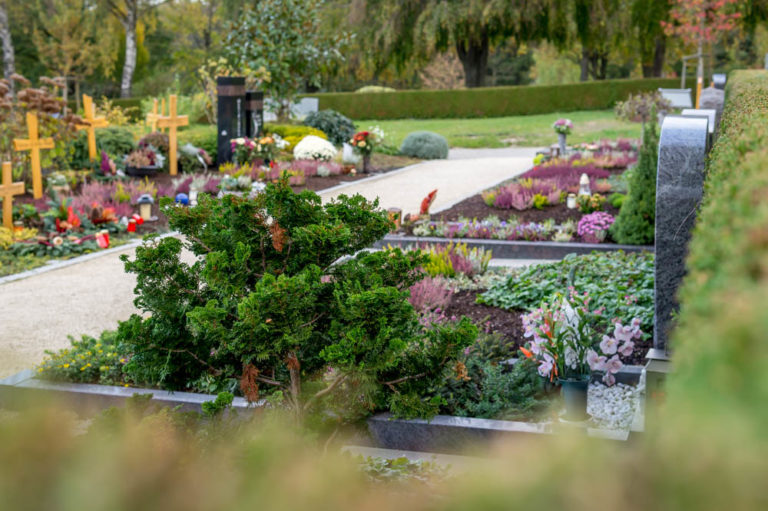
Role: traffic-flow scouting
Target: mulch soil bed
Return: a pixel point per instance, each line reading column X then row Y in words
column 475, row 208
column 510, row 324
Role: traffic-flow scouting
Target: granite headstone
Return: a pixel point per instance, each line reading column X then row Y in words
column 678, row 98
column 718, row 81
column 679, row 188
column 714, row 99
column 254, row 113
column 230, row 114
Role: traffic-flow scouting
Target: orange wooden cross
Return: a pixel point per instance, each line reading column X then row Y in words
column 91, row 123
column 152, row 117
column 162, row 111
column 172, row 122
column 34, row 144
column 7, row 190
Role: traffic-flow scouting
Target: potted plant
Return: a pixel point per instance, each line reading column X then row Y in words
column 563, row 128
column 143, row 162
column 566, row 345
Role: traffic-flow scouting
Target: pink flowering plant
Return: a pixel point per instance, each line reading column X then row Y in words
column 593, row 227
column 564, row 340
column 563, row 126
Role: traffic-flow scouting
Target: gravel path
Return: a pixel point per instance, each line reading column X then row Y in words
column 37, row 313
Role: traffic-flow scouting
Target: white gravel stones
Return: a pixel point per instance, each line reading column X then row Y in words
column 613, row 407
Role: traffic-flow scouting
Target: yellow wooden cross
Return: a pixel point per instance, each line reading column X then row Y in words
column 91, row 123
column 33, row 145
column 172, row 122
column 7, row 190
column 152, row 117
column 162, row 111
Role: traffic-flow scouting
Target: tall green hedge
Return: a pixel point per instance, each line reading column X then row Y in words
column 487, row 102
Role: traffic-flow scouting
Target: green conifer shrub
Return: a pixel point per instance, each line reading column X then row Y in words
column 425, row 145
column 636, row 221
column 268, row 303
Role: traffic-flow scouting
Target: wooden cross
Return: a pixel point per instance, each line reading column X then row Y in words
column 33, row 145
column 162, row 111
column 7, row 190
column 91, row 123
column 153, row 117
column 172, row 122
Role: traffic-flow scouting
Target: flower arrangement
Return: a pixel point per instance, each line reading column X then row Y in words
column 314, row 148
column 107, row 166
column 144, row 157
column 593, row 227
column 246, row 150
column 565, row 342
column 563, row 126
column 363, row 142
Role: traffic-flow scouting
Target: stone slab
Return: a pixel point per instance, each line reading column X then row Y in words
column 709, row 113
column 23, row 390
column 503, row 249
column 679, row 98
column 679, row 189
column 718, row 80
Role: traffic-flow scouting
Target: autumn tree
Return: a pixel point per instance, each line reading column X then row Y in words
column 700, row 23
column 650, row 39
column 65, row 38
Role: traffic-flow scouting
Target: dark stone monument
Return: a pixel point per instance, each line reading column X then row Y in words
column 679, row 188
column 718, row 81
column 254, row 113
column 230, row 114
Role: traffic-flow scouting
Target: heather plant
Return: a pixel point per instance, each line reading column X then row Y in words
column 455, row 258
column 590, row 203
column 429, row 294
column 268, row 303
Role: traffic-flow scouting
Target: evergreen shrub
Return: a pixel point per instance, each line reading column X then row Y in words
column 338, row 127
column 425, row 145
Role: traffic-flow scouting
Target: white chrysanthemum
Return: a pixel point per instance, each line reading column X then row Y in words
column 314, row 148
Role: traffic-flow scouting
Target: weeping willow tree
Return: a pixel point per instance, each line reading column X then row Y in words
column 402, row 31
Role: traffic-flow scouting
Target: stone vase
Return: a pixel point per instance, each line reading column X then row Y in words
column 561, row 142
column 574, row 392
column 366, row 163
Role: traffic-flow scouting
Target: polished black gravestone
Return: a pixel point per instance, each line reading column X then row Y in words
column 254, row 113
column 679, row 188
column 230, row 114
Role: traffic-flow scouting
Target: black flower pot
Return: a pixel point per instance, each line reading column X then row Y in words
column 574, row 392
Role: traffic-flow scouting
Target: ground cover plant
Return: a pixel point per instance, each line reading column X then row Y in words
column 620, row 283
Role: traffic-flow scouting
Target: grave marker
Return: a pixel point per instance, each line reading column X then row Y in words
column 7, row 190
column 254, row 113
column 34, row 144
column 153, row 116
column 679, row 188
column 678, row 98
column 172, row 122
column 230, row 114
column 91, row 123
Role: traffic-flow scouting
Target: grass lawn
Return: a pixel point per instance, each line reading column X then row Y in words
column 523, row 131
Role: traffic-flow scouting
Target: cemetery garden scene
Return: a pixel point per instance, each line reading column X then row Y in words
column 378, row 254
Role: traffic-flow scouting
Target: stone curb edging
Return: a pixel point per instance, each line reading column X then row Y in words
column 63, row 263
column 23, row 389
column 503, row 249
column 450, row 435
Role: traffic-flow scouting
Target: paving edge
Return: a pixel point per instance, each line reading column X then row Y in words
column 59, row 264
column 503, row 249
column 23, row 389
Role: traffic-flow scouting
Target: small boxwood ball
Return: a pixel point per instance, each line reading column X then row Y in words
column 425, row 145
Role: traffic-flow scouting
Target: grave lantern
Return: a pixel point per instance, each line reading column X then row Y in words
column 584, row 185
column 571, row 201
column 145, row 203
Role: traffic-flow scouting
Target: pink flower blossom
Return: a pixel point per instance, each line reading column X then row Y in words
column 596, row 362
column 609, row 345
column 627, row 348
column 613, row 365
column 608, row 379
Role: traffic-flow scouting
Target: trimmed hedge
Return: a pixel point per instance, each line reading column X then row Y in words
column 720, row 344
column 488, row 102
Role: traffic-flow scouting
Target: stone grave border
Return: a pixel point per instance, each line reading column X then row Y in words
column 21, row 389
column 450, row 435
column 503, row 249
